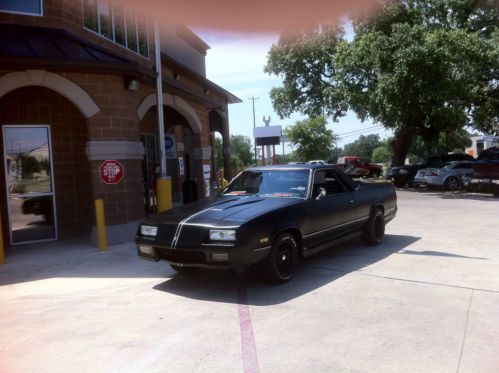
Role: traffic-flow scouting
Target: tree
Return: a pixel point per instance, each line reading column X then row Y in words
column 445, row 143
column 219, row 155
column 381, row 154
column 311, row 138
column 363, row 146
column 419, row 67
column 29, row 166
column 241, row 149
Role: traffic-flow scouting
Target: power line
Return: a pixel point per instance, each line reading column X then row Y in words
column 355, row 134
column 367, row 129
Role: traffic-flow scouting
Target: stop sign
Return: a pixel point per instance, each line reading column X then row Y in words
column 111, row 172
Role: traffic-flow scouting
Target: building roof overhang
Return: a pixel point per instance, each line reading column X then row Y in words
column 29, row 47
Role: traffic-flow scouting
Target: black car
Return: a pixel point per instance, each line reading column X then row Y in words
column 404, row 175
column 269, row 217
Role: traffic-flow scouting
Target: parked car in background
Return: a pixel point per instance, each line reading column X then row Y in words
column 269, row 217
column 357, row 166
column 449, row 177
column 404, row 175
column 485, row 176
column 317, row 161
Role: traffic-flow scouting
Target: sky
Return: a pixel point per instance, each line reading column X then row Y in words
column 235, row 62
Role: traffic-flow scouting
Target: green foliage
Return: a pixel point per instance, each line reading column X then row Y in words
column 311, row 138
column 363, row 146
column 45, row 165
column 219, row 155
column 419, row 67
column 29, row 166
column 446, row 142
column 303, row 61
column 381, row 154
column 241, row 151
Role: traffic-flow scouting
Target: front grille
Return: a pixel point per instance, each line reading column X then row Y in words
column 181, row 256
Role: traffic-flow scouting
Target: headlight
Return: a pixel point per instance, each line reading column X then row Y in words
column 148, row 230
column 222, row 235
column 402, row 171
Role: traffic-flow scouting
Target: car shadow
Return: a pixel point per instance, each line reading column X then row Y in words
column 456, row 194
column 439, row 253
column 312, row 273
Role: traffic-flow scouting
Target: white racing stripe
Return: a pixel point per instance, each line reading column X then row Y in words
column 181, row 224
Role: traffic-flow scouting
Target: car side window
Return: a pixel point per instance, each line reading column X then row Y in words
column 464, row 166
column 327, row 180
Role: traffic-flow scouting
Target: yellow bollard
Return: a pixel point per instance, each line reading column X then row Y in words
column 164, row 193
column 2, row 253
column 101, row 224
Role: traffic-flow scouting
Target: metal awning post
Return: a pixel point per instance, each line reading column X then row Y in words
column 159, row 97
column 164, row 183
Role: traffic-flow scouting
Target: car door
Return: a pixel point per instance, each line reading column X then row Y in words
column 332, row 207
column 463, row 168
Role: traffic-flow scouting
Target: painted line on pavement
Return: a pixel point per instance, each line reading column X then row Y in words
column 248, row 345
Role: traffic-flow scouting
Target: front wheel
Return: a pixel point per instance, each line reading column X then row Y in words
column 280, row 265
column 374, row 230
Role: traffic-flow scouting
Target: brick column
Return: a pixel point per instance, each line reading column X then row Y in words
column 114, row 135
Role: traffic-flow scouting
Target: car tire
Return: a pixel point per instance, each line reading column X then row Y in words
column 280, row 265
column 374, row 230
column 451, row 183
column 182, row 269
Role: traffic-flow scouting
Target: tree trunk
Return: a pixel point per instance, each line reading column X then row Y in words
column 401, row 143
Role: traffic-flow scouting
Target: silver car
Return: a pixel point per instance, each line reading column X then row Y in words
column 450, row 176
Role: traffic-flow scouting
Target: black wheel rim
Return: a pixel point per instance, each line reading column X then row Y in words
column 452, row 183
column 285, row 258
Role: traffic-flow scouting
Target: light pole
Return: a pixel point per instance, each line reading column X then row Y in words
column 254, row 125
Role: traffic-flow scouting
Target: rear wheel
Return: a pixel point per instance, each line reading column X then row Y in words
column 280, row 265
column 374, row 230
column 451, row 183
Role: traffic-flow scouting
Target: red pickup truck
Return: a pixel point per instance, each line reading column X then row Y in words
column 357, row 166
column 485, row 176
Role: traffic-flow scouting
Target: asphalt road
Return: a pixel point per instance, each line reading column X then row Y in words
column 426, row 300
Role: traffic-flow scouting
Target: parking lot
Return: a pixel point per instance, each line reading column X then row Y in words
column 426, row 300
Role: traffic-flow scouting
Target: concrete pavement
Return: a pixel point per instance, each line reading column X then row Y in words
column 426, row 300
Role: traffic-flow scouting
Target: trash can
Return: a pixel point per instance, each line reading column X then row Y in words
column 189, row 191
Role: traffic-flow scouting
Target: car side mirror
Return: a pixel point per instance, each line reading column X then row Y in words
column 322, row 193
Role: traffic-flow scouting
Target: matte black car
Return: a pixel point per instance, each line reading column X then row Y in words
column 269, row 217
column 404, row 175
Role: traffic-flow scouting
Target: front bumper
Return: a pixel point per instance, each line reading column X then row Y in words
column 219, row 256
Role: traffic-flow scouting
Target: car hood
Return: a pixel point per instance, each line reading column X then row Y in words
column 233, row 209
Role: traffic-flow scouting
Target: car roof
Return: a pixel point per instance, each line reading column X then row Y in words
column 460, row 162
column 306, row 166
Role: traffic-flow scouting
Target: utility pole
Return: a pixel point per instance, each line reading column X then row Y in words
column 254, row 125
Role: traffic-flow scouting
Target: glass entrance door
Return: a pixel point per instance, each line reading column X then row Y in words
column 30, row 183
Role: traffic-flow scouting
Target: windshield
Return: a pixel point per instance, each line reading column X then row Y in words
column 271, row 183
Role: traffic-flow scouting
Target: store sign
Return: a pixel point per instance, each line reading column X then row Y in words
column 170, row 147
column 111, row 172
column 206, row 171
